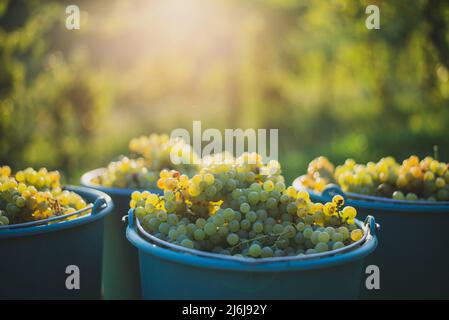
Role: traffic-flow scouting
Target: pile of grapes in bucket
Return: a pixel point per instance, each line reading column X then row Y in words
column 31, row 195
column 412, row 180
column 243, row 208
column 148, row 156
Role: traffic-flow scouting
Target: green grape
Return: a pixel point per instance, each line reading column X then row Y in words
column 337, row 237
column 181, row 230
column 258, row 227
column 223, row 231
column 267, row 252
column 253, row 197
column 321, row 247
column 280, row 186
column 323, row 237
column 255, row 250
column 219, row 220
column 162, row 215
column 187, row 243
column 199, row 234
column 292, row 208
column 234, row 226
column 268, row 185
column 315, row 237
column 308, row 232
column 251, row 216
column 440, row 183
column 330, row 230
column 153, row 224
column 172, row 234
column 228, row 214
column 309, row 220
column 299, row 238
column 232, row 239
column 200, row 223
column 139, row 212
column 4, row 220
column 411, row 196
column 337, row 245
column 245, row 208
column 255, row 187
column 164, row 228
column 245, row 224
column 271, row 203
column 398, row 195
column 300, row 226
column 210, row 229
column 172, row 219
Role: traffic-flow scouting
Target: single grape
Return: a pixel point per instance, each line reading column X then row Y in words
column 232, row 239
column 255, row 250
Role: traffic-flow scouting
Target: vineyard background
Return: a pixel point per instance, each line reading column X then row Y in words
column 73, row 99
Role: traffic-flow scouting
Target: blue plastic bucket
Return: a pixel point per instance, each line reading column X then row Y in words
column 191, row 274
column 34, row 260
column 120, row 259
column 413, row 258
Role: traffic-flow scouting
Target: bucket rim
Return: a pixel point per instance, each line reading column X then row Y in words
column 185, row 258
column 62, row 225
column 381, row 204
column 86, row 181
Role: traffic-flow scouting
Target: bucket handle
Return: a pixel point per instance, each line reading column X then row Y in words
column 99, row 204
column 372, row 226
column 129, row 218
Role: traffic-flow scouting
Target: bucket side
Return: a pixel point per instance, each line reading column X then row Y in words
column 34, row 267
column 167, row 274
column 412, row 259
column 163, row 279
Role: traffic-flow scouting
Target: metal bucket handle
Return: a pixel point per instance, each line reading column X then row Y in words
column 370, row 228
column 99, row 204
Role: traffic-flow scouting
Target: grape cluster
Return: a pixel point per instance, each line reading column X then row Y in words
column 34, row 195
column 149, row 155
column 414, row 179
column 320, row 173
column 127, row 173
column 243, row 208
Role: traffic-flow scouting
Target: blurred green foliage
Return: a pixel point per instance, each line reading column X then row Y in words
column 71, row 99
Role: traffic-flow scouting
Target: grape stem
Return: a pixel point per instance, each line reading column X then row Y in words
column 259, row 238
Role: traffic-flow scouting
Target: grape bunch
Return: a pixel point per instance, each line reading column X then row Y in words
column 320, row 173
column 414, row 179
column 31, row 195
column 149, row 155
column 243, row 208
column 127, row 173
